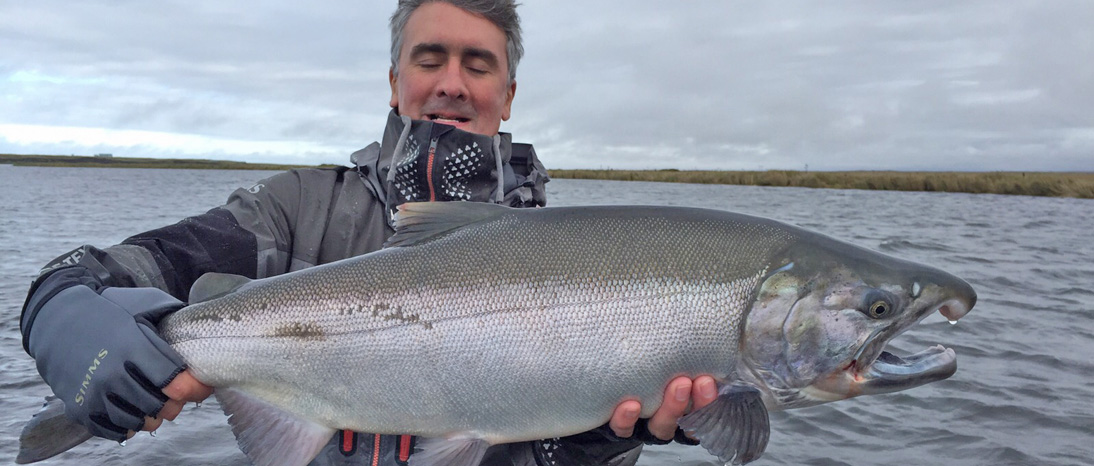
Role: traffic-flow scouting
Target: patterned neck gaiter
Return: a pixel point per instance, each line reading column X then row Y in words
column 435, row 162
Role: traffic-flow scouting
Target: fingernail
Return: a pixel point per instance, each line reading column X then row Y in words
column 682, row 393
column 707, row 389
column 631, row 412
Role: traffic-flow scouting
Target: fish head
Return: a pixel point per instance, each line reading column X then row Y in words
column 824, row 314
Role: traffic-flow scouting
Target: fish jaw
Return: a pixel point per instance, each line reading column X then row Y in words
column 874, row 371
column 888, row 373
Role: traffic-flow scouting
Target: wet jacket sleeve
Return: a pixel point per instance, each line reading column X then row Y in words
column 251, row 235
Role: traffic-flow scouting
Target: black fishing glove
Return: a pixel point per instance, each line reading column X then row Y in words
column 98, row 349
column 600, row 447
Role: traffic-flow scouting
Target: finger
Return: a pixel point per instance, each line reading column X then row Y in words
column 102, row 426
column 171, row 409
column 663, row 423
column 152, row 423
column 186, row 388
column 704, row 392
column 624, row 417
column 122, row 414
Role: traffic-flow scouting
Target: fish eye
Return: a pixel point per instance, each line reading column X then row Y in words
column 879, row 309
column 878, row 304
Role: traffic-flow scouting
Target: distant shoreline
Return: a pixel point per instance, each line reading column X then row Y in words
column 83, row 161
column 1045, row 184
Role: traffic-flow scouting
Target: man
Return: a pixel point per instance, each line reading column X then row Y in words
column 452, row 83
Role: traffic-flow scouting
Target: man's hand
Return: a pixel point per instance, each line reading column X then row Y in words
column 700, row 392
column 184, row 388
column 98, row 350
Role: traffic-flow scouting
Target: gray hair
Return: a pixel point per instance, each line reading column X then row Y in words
column 502, row 13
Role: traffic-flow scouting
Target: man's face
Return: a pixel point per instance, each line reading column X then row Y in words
column 453, row 70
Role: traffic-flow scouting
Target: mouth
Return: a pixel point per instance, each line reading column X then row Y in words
column 890, row 373
column 451, row 120
column 886, row 372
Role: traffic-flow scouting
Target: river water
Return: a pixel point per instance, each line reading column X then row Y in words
column 1022, row 394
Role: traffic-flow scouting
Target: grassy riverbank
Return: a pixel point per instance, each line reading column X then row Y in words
column 1079, row 185
column 133, row 162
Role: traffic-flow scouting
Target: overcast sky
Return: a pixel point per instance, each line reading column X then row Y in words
column 873, row 84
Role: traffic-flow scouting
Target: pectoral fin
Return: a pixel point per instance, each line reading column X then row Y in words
column 734, row 427
column 449, row 452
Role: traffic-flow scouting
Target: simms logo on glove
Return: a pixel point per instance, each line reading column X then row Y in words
column 87, row 377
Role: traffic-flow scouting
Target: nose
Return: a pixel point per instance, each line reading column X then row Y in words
column 451, row 84
column 959, row 296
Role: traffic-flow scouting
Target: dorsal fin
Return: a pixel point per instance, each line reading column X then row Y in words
column 419, row 222
column 214, row 285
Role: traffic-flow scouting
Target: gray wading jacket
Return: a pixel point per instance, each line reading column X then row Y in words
column 306, row 217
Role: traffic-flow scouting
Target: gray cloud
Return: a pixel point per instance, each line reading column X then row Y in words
column 975, row 85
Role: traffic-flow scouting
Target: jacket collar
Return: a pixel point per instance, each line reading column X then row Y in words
column 394, row 134
column 405, row 139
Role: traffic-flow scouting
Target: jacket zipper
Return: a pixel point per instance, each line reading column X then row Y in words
column 429, row 169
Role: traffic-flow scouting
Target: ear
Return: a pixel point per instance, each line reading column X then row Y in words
column 512, row 92
column 394, row 80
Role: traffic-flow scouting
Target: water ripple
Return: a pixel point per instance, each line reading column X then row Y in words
column 1039, row 224
column 898, row 244
column 972, row 259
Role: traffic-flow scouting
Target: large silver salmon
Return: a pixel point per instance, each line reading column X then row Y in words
column 481, row 324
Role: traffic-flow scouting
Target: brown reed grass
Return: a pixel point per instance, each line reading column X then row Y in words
column 1077, row 185
column 135, row 162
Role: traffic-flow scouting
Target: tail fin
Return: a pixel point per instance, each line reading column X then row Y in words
column 49, row 433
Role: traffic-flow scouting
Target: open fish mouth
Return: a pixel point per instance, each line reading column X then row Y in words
column 890, row 373
column 887, row 372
